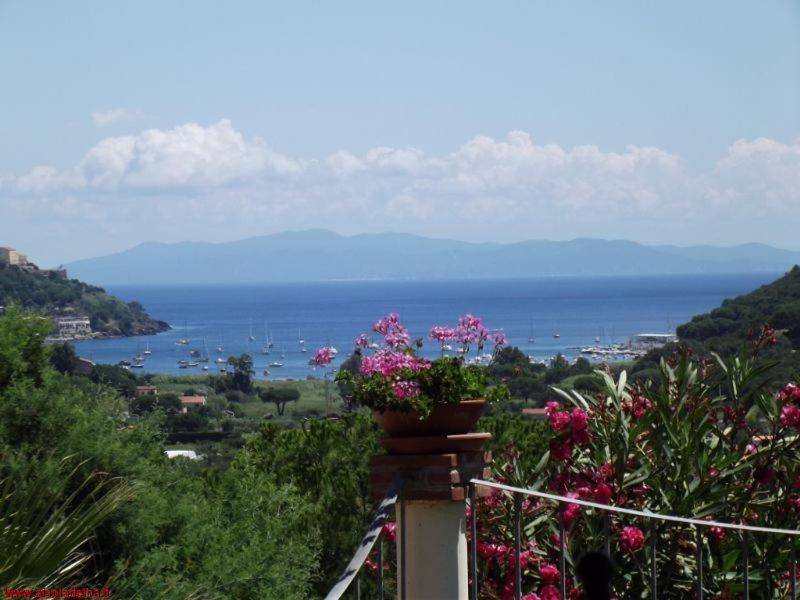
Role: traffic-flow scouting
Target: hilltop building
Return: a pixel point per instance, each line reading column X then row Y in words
column 15, row 258
column 10, row 256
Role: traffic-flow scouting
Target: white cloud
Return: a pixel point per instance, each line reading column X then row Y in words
column 115, row 115
column 214, row 178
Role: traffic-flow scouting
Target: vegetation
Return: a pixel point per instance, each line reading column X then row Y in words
column 47, row 293
column 734, row 326
column 677, row 447
column 239, row 533
column 278, row 503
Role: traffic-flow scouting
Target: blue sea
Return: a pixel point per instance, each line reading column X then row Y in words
column 577, row 309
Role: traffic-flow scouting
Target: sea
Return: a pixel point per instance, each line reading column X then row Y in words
column 543, row 317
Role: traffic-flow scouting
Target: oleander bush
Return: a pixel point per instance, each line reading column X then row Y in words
column 709, row 440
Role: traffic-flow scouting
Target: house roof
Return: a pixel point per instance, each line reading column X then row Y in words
column 193, row 399
column 535, row 412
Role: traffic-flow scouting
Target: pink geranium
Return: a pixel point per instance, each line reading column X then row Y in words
column 442, row 334
column 324, row 356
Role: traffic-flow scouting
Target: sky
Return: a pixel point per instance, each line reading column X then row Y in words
column 660, row 122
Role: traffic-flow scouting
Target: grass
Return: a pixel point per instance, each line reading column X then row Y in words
column 311, row 403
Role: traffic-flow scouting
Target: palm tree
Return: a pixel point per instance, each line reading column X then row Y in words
column 43, row 537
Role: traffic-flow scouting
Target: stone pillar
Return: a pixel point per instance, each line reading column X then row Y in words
column 436, row 550
column 431, row 521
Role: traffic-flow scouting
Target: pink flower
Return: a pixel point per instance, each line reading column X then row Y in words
column 361, row 341
column 500, row 339
column 405, row 389
column 602, row 493
column 791, row 393
column 389, row 363
column 389, row 530
column 790, row 416
column 386, row 323
column 532, row 596
column 559, row 419
column 550, row 592
column 716, row 533
column 486, row 551
column 471, row 330
column 370, row 565
column 631, row 539
column 442, row 334
column 561, row 449
column 394, row 334
column 571, row 513
column 581, row 437
column 549, row 573
column 324, row 356
column 578, row 419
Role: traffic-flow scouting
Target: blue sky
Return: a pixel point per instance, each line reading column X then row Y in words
column 122, row 123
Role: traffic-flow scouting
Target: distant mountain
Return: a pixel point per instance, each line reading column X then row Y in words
column 318, row 255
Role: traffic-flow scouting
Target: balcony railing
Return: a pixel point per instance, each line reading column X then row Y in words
column 351, row 578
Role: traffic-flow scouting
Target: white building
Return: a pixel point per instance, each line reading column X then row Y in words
column 648, row 341
column 73, row 327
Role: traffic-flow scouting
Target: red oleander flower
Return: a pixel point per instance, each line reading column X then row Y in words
column 549, row 573
column 631, row 539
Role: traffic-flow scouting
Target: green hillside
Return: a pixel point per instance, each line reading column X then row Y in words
column 735, row 325
column 47, row 292
column 776, row 304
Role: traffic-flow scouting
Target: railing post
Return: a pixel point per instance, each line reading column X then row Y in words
column 379, row 592
column 653, row 559
column 562, row 550
column 517, row 546
column 746, row 563
column 699, row 542
column 473, row 552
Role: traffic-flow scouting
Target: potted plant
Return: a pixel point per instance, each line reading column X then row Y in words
column 411, row 395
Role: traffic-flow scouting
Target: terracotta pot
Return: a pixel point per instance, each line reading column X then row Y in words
column 445, row 419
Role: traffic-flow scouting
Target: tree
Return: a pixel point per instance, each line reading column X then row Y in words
column 526, row 387
column 116, row 377
column 280, row 397
column 241, row 378
column 23, row 353
column 63, row 358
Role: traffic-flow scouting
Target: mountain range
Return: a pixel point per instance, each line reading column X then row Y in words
column 320, row 255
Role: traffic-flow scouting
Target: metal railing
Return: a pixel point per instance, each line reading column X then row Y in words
column 563, row 501
column 373, row 537
column 351, row 577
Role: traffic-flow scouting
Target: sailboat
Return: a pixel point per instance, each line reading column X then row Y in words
column 283, row 352
column 184, row 341
column 531, row 339
column 147, row 350
column 267, row 345
column 204, row 357
column 251, row 337
column 302, row 341
column 220, row 349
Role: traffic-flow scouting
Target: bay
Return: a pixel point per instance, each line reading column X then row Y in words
column 578, row 309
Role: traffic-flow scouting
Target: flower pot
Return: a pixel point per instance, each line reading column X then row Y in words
column 444, row 419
